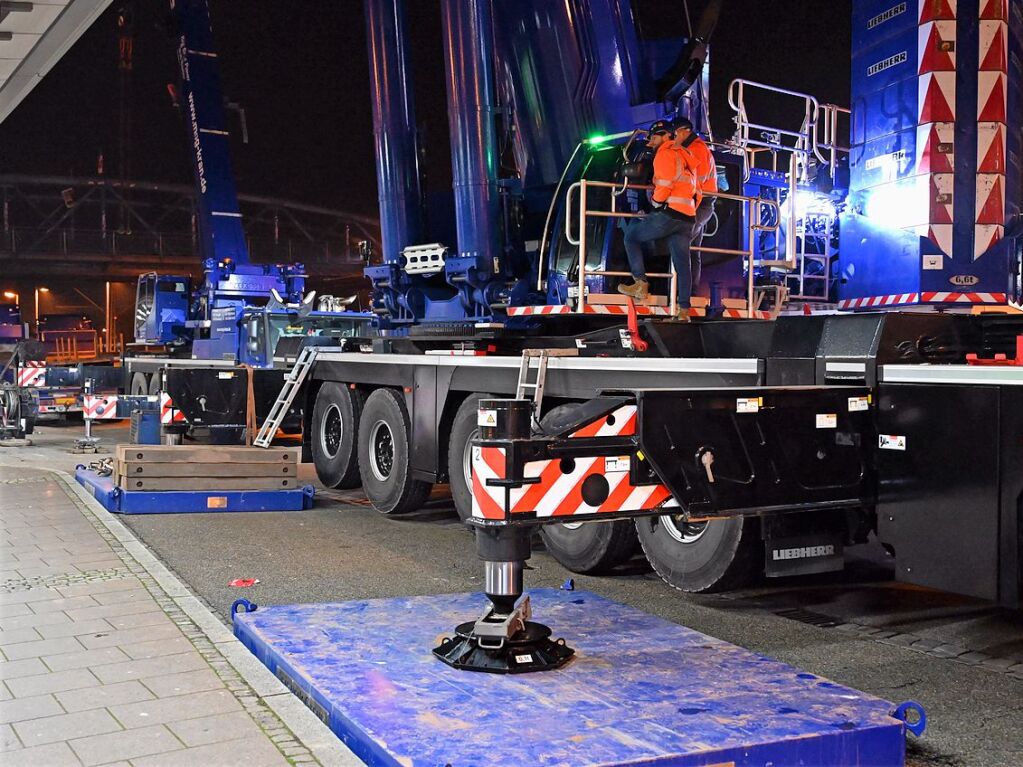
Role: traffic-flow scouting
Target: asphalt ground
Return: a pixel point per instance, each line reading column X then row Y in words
column 855, row 627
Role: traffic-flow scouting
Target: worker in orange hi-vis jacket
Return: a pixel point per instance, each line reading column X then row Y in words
column 707, row 181
column 674, row 201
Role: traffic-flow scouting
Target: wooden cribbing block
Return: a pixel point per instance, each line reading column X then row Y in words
column 205, row 454
column 202, row 484
column 236, row 470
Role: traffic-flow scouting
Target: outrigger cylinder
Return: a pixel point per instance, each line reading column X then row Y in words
column 504, row 640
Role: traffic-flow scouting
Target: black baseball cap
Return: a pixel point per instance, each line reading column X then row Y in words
column 661, row 126
column 683, row 123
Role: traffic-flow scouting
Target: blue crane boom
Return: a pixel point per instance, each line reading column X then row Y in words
column 220, row 219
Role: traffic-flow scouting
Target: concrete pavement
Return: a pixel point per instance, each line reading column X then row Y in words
column 107, row 659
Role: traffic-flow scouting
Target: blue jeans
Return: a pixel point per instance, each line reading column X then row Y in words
column 660, row 226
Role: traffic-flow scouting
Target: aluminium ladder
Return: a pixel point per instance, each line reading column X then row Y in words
column 292, row 383
column 537, row 384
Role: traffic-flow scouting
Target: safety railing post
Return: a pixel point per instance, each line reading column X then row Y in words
column 793, row 235
column 581, row 298
column 754, row 215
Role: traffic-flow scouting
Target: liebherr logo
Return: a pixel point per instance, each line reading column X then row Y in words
column 892, row 61
column 888, row 15
column 803, row 552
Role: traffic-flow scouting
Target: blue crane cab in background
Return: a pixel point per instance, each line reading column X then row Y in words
column 241, row 309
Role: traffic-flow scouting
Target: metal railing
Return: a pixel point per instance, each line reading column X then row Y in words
column 826, row 136
column 817, row 138
column 753, row 217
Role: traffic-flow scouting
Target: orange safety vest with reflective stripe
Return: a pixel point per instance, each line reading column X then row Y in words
column 706, row 167
column 675, row 178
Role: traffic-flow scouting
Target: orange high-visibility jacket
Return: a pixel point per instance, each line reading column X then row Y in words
column 706, row 168
column 675, row 178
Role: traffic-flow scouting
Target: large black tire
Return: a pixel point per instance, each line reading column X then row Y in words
column 463, row 430
column 384, row 440
column 588, row 548
column 155, row 381
column 139, row 384
column 334, row 438
column 718, row 555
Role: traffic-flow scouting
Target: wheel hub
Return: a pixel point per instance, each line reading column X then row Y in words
column 333, row 431
column 382, row 453
column 683, row 531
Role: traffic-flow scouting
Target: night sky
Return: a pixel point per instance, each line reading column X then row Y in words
column 300, row 71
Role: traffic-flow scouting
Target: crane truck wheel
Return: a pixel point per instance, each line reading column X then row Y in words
column 463, row 431
column 154, row 385
column 335, row 434
column 717, row 555
column 589, row 548
column 384, row 451
column 139, row 385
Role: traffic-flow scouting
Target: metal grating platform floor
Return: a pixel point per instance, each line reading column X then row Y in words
column 640, row 691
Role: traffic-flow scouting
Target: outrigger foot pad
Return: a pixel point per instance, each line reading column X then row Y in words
column 530, row 649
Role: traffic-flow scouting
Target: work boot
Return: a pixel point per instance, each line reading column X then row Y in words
column 682, row 314
column 639, row 290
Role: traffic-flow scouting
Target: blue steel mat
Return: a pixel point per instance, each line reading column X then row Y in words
column 640, row 691
column 118, row 501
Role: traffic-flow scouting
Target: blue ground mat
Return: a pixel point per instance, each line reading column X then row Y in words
column 640, row 691
column 120, row 501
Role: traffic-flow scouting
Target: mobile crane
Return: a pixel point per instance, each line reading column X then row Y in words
column 519, row 306
column 240, row 312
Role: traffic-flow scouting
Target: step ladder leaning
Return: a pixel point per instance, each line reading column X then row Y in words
column 292, row 384
column 537, row 384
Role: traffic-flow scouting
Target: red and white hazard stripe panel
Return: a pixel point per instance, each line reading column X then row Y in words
column 923, row 298
column 963, row 298
column 526, row 311
column 461, row 352
column 32, row 374
column 936, row 105
column 619, row 309
column 872, row 301
column 992, row 124
column 99, row 408
column 559, row 493
column 169, row 413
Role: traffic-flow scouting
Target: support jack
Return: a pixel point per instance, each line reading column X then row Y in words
column 504, row 640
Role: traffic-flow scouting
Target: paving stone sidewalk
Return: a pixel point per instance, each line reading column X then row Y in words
column 101, row 663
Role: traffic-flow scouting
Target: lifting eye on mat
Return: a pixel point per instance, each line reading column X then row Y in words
column 913, row 714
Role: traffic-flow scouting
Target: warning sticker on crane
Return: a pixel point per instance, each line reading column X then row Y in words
column 859, row 404
column 616, row 463
column 486, row 418
column 891, row 442
column 827, row 420
column 748, row 404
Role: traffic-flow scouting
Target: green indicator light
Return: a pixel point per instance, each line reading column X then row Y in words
column 598, row 139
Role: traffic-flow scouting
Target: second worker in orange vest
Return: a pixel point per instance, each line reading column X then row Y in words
column 707, row 181
column 674, row 216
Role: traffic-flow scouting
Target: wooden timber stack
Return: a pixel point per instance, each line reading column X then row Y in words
column 205, row 467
